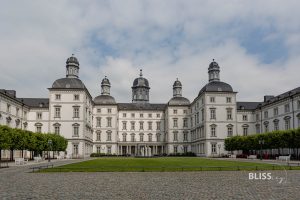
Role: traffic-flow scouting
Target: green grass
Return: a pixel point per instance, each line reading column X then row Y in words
column 161, row 164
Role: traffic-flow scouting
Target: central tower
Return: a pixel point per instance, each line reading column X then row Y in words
column 140, row 90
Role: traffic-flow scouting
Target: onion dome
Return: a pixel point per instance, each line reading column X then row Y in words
column 140, row 81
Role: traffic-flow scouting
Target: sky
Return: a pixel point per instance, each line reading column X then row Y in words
column 256, row 44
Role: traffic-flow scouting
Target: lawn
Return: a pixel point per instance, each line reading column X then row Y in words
column 121, row 164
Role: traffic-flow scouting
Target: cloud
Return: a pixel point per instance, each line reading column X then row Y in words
column 256, row 44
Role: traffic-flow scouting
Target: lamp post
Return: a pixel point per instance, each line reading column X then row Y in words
column 219, row 146
column 261, row 142
column 49, row 144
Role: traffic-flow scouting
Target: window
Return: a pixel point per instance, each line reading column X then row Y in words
column 75, row 131
column 175, row 123
column 198, row 118
column 245, row 131
column 298, row 104
column 185, row 122
column 287, row 108
column 76, row 97
column 57, row 112
column 213, row 131
column 275, row 111
column 184, row 111
column 229, row 131
column 212, row 99
column 124, row 114
column 298, row 120
column 213, row 148
column 8, row 108
column 124, row 137
column 76, row 112
column 266, row 114
column 132, row 137
column 98, row 149
column 245, row 117
column 98, row 134
column 98, row 121
column 150, row 137
column 185, row 149
column 287, row 123
column 132, row 115
column 175, row 136
column 108, row 121
column 158, row 137
column 109, row 110
column 39, row 115
column 202, row 114
column 212, row 113
column 175, row 149
column 276, row 124
column 185, row 136
column 257, row 128
column 38, row 129
column 257, row 117
column 158, row 126
column 108, row 136
column 99, row 110
column 229, row 113
column 266, row 127
column 108, row 150
column 124, row 125
column 149, row 125
column 228, row 99
column 141, row 137
column 158, row 115
column 17, row 112
column 57, row 97
column 132, row 125
column 75, row 149
column 57, row 129
column 25, row 115
column 149, row 115
column 174, row 112
column 141, row 125
column 141, row 115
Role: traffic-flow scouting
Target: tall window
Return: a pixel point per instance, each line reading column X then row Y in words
column 174, row 112
column 124, row 125
column 75, row 131
column 158, row 115
column 228, row 99
column 185, row 136
column 149, row 115
column 257, row 128
column 17, row 112
column 124, row 114
column 108, row 136
column 76, row 97
column 229, row 114
column 275, row 111
column 229, row 131
column 141, row 115
column 108, row 121
column 266, row 114
column 150, row 137
column 245, row 131
column 76, row 112
column 185, row 122
column 202, row 114
column 149, row 125
column 212, row 113
column 124, row 137
column 57, row 97
column 98, row 121
column 213, row 131
column 185, row 149
column 276, row 125
column 175, row 136
column 109, row 110
column 158, row 126
column 287, row 123
column 298, row 104
column 39, row 115
column 141, row 137
column 287, row 107
column 108, row 150
column 57, row 129
column 75, row 149
column 57, row 112
column 98, row 149
column 132, row 137
column 175, row 123
column 38, row 129
column 213, row 148
column 175, row 149
column 98, row 135
column 141, row 125
column 132, row 115
column 8, row 108
column 132, row 125
column 257, row 117
column 158, row 137
column 266, row 127
column 212, row 99
column 245, row 117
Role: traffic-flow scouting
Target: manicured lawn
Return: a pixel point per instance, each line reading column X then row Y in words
column 121, row 164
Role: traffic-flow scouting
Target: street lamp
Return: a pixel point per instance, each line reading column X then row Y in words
column 49, row 144
column 219, row 146
column 261, row 142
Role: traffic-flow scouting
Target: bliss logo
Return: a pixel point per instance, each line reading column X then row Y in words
column 260, row 176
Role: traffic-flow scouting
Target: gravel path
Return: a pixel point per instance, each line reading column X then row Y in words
column 17, row 183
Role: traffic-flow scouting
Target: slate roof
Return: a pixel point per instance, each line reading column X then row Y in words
column 282, row 96
column 216, row 86
column 104, row 99
column 73, row 83
column 179, row 101
column 35, row 102
column 141, row 106
column 247, row 105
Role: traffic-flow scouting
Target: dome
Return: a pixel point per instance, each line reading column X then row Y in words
column 105, row 81
column 73, row 60
column 104, row 99
column 140, row 82
column 68, row 83
column 216, row 86
column 179, row 101
column 177, row 83
column 213, row 64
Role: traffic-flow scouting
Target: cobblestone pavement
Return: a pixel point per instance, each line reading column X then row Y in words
column 18, row 183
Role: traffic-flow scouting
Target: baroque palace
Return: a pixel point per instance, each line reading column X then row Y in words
column 142, row 128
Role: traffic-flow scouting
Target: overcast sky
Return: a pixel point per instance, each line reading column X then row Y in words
column 256, row 43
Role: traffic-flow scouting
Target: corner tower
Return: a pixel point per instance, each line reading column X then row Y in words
column 72, row 67
column 140, row 90
column 213, row 71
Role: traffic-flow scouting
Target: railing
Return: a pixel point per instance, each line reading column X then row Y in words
column 3, row 164
column 37, row 168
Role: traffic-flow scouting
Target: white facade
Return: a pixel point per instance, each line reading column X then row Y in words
column 101, row 125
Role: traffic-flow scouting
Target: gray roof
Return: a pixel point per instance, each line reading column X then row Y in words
column 282, row 96
column 74, row 83
column 179, row 101
column 140, row 82
column 177, row 83
column 213, row 64
column 141, row 106
column 216, row 86
column 72, row 59
column 35, row 102
column 104, row 99
column 247, row 105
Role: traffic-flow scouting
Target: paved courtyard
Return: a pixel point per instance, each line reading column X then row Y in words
column 18, row 183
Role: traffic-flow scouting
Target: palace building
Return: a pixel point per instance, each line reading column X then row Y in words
column 142, row 128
